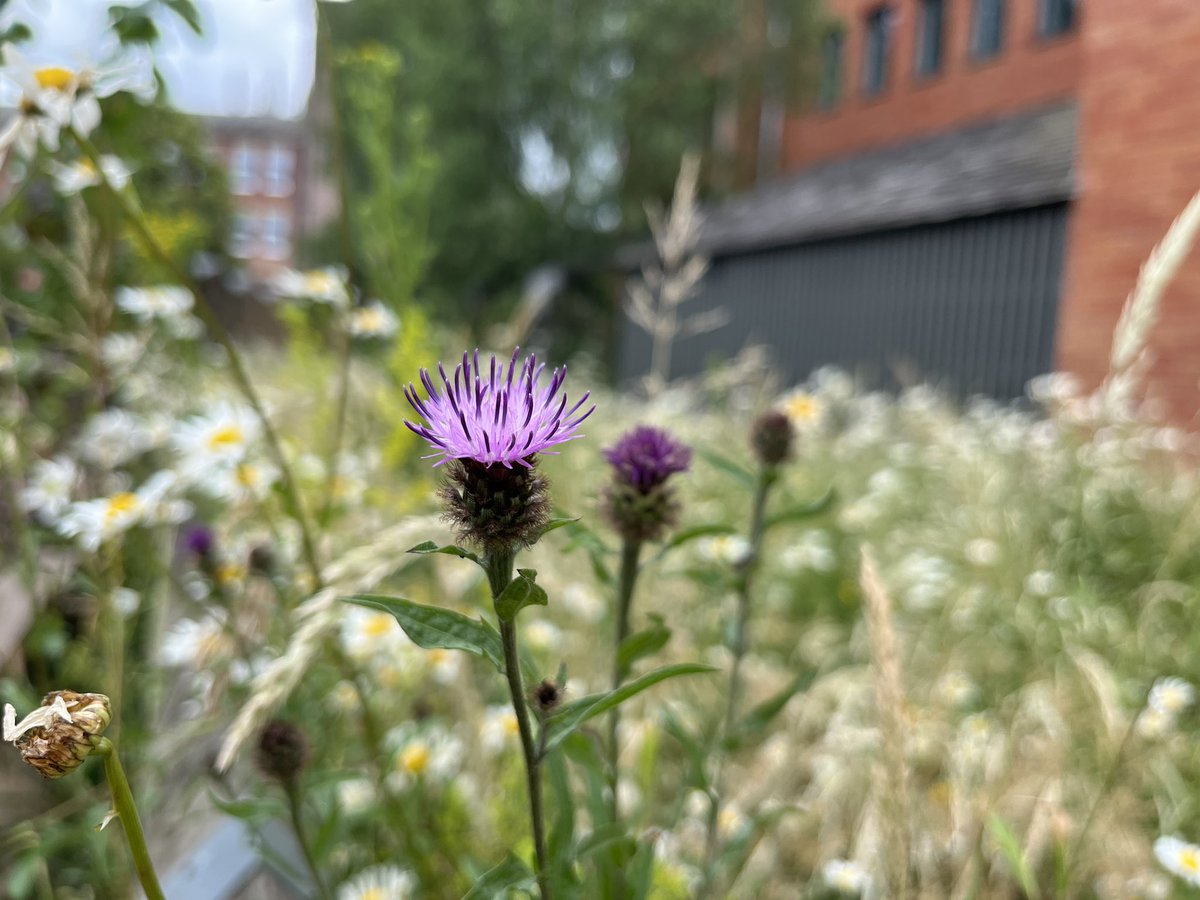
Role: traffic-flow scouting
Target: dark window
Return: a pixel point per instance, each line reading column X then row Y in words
column 832, row 48
column 987, row 33
column 875, row 57
column 929, row 36
column 1057, row 17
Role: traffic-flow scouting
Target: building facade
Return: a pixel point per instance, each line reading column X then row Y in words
column 278, row 188
column 968, row 197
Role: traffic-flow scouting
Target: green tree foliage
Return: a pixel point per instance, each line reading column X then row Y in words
column 551, row 124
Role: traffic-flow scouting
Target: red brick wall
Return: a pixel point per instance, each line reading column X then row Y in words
column 1139, row 164
column 1029, row 71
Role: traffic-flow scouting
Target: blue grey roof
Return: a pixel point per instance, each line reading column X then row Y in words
column 1006, row 164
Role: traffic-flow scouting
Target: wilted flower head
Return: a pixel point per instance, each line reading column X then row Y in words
column 646, row 457
column 61, row 733
column 493, row 416
column 639, row 503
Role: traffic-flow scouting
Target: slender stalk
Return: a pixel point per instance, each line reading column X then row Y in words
column 630, row 554
column 236, row 367
column 499, row 569
column 128, row 814
column 741, row 623
column 292, row 790
column 1110, row 780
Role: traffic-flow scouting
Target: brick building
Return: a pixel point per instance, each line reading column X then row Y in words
column 968, row 195
column 279, row 191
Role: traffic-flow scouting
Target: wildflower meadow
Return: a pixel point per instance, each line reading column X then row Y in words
column 425, row 614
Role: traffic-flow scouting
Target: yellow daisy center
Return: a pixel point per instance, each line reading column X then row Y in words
column 377, row 625
column 86, row 167
column 228, row 436
column 228, row 573
column 1189, row 861
column 120, row 503
column 54, row 78
column 415, row 759
column 318, row 282
column 510, row 724
column 372, row 893
column 803, row 407
column 245, row 475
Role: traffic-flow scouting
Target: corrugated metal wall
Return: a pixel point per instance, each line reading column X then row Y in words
column 969, row 304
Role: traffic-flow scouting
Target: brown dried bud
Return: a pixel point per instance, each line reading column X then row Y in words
column 547, row 696
column 282, row 751
column 61, row 733
column 771, row 438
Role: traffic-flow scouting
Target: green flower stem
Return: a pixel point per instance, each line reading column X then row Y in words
column 630, row 554
column 292, row 789
column 499, row 569
column 128, row 814
column 237, row 368
column 745, row 574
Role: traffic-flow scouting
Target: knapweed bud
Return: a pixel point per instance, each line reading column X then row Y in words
column 61, row 733
column 488, row 425
column 200, row 542
column 282, row 751
column 639, row 503
column 771, row 438
column 547, row 696
column 262, row 559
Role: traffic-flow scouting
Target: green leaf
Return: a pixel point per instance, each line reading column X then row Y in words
column 556, row 523
column 521, row 592
column 450, row 550
column 603, row 837
column 187, row 11
column 692, row 746
column 251, row 809
column 499, row 880
column 1010, row 848
column 575, row 714
column 643, row 643
column 807, row 511
column 432, row 627
column 729, row 467
column 687, row 535
column 756, row 721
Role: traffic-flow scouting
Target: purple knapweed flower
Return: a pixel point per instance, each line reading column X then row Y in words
column 639, row 503
column 492, row 416
column 199, row 541
column 646, row 457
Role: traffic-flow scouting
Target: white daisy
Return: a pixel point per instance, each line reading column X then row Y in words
column 541, row 635
column 112, row 438
column 249, row 481
column 373, row 321
column 1171, row 696
column 433, row 754
column 121, row 351
column 444, row 665
column 379, row 883
column 191, row 643
column 498, row 729
column 162, row 503
column 95, row 522
column 126, row 601
column 803, row 409
column 356, row 795
column 1179, row 858
column 48, row 491
column 369, row 634
column 1153, row 724
column 811, row 550
column 326, row 285
column 956, row 690
column 730, row 549
column 164, row 302
column 221, row 438
column 845, row 877
column 74, row 177
column 982, row 552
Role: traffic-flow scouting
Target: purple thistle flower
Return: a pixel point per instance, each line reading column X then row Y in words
column 200, row 541
column 646, row 457
column 492, row 416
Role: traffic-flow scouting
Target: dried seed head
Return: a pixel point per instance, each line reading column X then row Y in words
column 771, row 438
column 60, row 734
column 282, row 751
column 547, row 696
